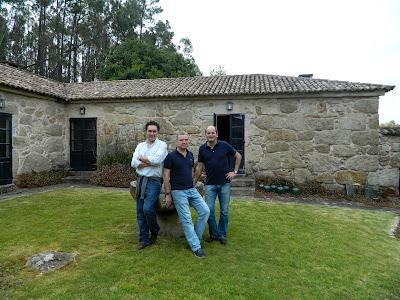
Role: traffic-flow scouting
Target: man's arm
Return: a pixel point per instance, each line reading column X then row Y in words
column 238, row 159
column 157, row 158
column 197, row 172
column 167, row 187
column 135, row 158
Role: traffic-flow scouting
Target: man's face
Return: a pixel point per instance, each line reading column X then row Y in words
column 211, row 134
column 182, row 141
column 151, row 133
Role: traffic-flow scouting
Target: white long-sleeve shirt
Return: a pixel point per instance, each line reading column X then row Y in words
column 155, row 153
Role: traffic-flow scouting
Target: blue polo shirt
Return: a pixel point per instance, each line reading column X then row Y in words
column 216, row 161
column 181, row 169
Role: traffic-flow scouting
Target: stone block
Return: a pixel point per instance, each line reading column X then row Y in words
column 319, row 162
column 368, row 106
column 395, row 147
column 54, row 130
column 26, row 120
column 291, row 160
column 322, row 148
column 324, row 178
column 318, row 124
column 353, row 122
column 302, row 175
column 385, row 177
column 302, row 147
column 183, row 118
column 264, row 122
column 332, row 137
column 395, row 160
column 343, row 151
column 350, row 177
column 289, row 106
column 34, row 162
column 271, row 162
column 305, row 135
column 272, row 147
column 373, row 122
column 368, row 163
column 281, row 135
column 363, row 138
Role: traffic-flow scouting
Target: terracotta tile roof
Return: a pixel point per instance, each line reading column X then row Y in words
column 16, row 78
column 229, row 85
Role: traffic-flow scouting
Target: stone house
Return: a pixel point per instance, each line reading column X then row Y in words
column 296, row 127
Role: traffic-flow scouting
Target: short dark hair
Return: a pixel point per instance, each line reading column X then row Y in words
column 152, row 123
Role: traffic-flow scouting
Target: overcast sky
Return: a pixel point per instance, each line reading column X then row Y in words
column 352, row 40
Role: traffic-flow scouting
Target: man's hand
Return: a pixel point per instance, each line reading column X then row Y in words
column 143, row 165
column 230, row 175
column 168, row 201
column 144, row 159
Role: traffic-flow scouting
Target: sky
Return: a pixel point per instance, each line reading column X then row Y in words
column 351, row 40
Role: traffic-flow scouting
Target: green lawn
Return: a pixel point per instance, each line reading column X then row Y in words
column 275, row 251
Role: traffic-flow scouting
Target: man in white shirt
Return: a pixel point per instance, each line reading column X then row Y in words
column 148, row 160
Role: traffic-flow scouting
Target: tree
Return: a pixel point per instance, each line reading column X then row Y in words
column 218, row 71
column 390, row 124
column 135, row 59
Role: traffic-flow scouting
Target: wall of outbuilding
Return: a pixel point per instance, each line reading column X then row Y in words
column 38, row 132
column 329, row 139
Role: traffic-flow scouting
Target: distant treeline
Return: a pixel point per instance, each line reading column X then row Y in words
column 80, row 40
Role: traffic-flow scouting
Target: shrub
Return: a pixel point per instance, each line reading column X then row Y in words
column 43, row 178
column 118, row 157
column 115, row 175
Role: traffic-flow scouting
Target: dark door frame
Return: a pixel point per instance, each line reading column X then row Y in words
column 6, row 173
column 75, row 165
column 242, row 151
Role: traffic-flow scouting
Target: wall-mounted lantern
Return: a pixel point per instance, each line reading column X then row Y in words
column 82, row 109
column 229, row 105
column 2, row 102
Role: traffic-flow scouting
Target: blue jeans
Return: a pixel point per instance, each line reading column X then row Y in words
column 183, row 199
column 146, row 210
column 224, row 194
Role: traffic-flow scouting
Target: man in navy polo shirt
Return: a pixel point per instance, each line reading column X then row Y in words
column 214, row 157
column 178, row 182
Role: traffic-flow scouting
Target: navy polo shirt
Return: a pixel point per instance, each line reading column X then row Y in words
column 181, row 170
column 216, row 161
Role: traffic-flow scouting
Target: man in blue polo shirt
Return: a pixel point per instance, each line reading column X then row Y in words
column 214, row 157
column 178, row 182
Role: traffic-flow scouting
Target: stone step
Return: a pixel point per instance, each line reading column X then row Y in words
column 243, row 181
column 242, row 191
column 78, row 176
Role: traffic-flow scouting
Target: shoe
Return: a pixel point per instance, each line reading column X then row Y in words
column 223, row 241
column 153, row 238
column 199, row 253
column 142, row 245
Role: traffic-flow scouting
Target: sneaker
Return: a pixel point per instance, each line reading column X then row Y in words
column 142, row 245
column 199, row 253
column 223, row 241
column 153, row 238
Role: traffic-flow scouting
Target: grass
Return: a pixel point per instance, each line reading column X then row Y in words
column 275, row 251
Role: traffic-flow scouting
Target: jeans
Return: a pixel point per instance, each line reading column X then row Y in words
column 182, row 200
column 224, row 194
column 146, row 210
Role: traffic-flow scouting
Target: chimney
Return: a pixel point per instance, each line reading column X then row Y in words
column 306, row 75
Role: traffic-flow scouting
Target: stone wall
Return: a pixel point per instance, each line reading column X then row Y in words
column 38, row 133
column 333, row 141
column 389, row 161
